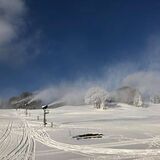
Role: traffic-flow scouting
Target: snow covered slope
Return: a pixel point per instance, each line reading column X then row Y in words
column 128, row 133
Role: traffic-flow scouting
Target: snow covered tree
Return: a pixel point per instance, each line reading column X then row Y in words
column 155, row 99
column 96, row 96
column 138, row 99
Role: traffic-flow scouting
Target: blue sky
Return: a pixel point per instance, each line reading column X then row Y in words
column 51, row 41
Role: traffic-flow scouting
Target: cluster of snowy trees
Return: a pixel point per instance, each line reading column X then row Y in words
column 155, row 99
column 97, row 97
column 100, row 98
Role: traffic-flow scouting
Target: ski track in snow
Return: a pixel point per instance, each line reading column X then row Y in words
column 16, row 142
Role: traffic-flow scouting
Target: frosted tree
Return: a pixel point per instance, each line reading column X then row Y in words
column 155, row 99
column 96, row 96
column 138, row 99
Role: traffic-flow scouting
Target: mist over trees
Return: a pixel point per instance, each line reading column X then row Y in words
column 127, row 95
column 23, row 101
column 98, row 97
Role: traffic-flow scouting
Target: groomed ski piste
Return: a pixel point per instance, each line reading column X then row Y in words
column 129, row 133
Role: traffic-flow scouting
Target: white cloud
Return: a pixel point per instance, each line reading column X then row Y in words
column 11, row 18
column 7, row 32
column 147, row 82
column 15, row 50
column 12, row 8
column 114, row 75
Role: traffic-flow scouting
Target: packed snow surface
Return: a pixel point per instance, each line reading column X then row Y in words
column 128, row 133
